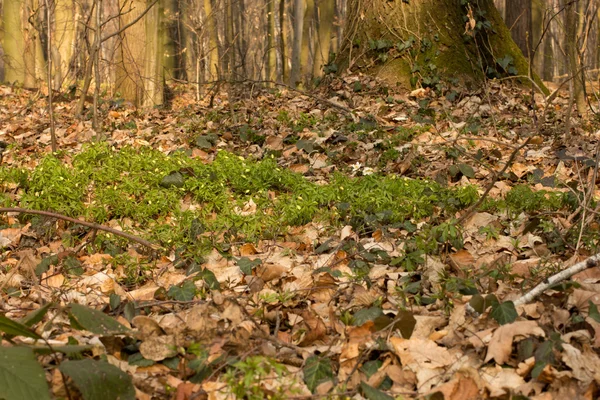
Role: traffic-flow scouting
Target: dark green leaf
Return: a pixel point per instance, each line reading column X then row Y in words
column 174, row 179
column 98, row 380
column 138, row 359
column 68, row 349
column 316, row 371
column 466, row 170
column 96, row 321
column 21, row 375
column 73, row 266
column 15, row 328
column 129, row 311
column 366, row 314
column 373, row 394
column 210, row 279
column 114, row 301
column 504, row 313
column 45, row 264
column 593, row 312
column 370, row 367
column 183, row 292
column 477, row 303
column 247, row 265
column 36, row 316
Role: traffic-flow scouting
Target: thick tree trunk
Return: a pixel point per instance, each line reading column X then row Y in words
column 519, row 21
column 24, row 62
column 325, row 12
column 270, row 51
column 139, row 67
column 295, row 78
column 419, row 43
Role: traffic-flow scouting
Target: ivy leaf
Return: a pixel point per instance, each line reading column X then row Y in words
column 593, row 311
column 466, row 170
column 247, row 265
column 373, row 394
column 174, row 179
column 99, row 380
column 366, row 314
column 184, row 292
column 95, row 321
column 209, row 278
column 316, row 371
column 504, row 313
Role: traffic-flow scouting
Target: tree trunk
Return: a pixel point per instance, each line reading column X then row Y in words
column 325, row 18
column 295, row 78
column 575, row 65
column 421, row 43
column 24, row 62
column 519, row 21
column 270, row 53
column 213, row 50
column 308, row 29
column 282, row 42
column 153, row 58
column 139, row 66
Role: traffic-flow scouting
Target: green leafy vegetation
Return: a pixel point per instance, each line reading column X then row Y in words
column 147, row 187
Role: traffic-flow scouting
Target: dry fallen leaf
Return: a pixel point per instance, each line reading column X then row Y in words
column 500, row 346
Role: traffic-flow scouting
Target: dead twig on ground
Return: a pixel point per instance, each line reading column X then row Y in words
column 92, row 225
column 559, row 277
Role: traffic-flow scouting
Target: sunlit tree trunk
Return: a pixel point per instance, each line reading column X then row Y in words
column 308, row 29
column 65, row 31
column 575, row 67
column 213, row 51
column 452, row 52
column 24, row 62
column 282, row 43
column 325, row 10
column 153, row 58
column 298, row 24
column 271, row 53
column 139, row 65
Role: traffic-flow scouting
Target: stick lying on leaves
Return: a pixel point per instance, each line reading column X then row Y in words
column 561, row 276
column 84, row 223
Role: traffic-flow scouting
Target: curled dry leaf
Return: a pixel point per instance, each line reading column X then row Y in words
column 500, row 346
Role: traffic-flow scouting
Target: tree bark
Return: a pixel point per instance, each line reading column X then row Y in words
column 420, row 43
column 325, row 19
column 519, row 21
column 295, row 78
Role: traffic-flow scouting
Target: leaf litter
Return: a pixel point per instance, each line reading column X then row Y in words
column 361, row 305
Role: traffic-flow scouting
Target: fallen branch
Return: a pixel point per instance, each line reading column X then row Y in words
column 84, row 223
column 559, row 277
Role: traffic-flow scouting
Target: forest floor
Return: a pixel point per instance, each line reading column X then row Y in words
column 355, row 242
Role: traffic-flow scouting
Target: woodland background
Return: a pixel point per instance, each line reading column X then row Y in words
column 299, row 199
column 205, row 42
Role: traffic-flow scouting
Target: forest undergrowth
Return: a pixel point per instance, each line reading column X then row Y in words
column 354, row 242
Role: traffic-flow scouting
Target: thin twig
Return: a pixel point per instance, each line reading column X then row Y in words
column 92, row 225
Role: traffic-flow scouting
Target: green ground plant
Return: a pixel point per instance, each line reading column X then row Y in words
column 145, row 187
